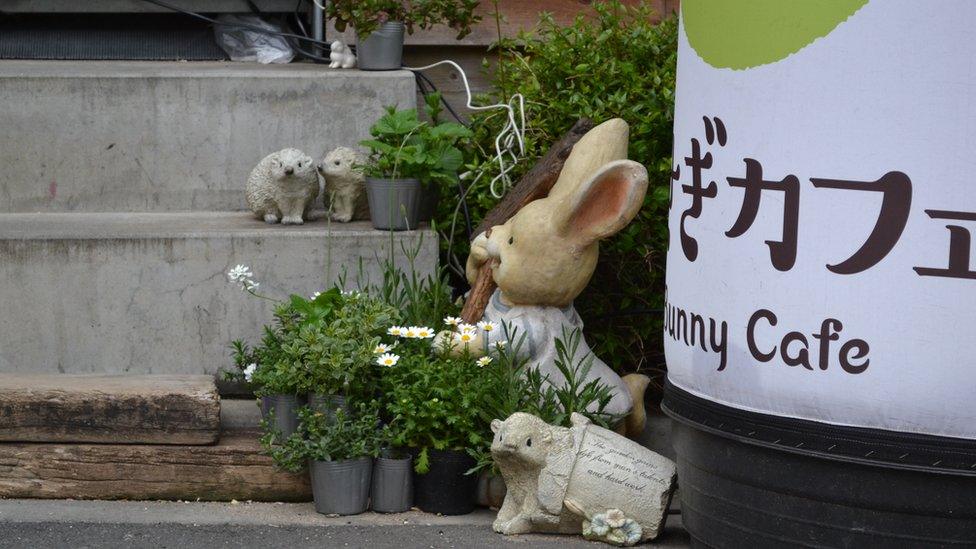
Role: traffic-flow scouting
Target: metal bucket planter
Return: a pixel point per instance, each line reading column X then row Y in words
column 445, row 489
column 382, row 49
column 341, row 487
column 392, row 490
column 393, row 203
column 285, row 408
column 328, row 404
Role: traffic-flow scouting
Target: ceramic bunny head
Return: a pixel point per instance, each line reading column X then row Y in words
column 546, row 253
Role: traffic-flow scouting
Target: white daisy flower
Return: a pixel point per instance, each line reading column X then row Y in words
column 249, row 371
column 423, row 332
column 243, row 276
column 382, row 348
column 387, row 359
column 395, row 330
column 487, row 326
column 467, row 328
column 464, row 337
column 411, row 332
column 484, row 361
column 452, row 320
column 240, row 273
column 501, row 344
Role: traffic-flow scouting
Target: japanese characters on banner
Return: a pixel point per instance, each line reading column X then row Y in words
column 823, row 203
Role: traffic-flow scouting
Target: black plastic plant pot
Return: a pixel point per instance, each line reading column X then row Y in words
column 394, row 204
column 341, row 487
column 392, row 490
column 446, row 489
column 755, row 480
column 285, row 408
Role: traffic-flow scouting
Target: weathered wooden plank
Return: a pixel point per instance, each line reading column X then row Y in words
column 232, row 469
column 125, row 409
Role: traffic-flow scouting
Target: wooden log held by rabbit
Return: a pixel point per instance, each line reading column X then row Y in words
column 545, row 254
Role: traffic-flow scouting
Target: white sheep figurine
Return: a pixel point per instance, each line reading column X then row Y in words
column 283, row 186
column 345, row 185
column 341, row 56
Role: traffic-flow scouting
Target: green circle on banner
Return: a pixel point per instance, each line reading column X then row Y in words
column 749, row 33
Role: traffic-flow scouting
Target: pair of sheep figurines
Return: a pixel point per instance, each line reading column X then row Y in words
column 283, row 187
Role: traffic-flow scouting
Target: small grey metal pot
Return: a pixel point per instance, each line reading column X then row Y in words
column 341, row 487
column 393, row 203
column 328, row 404
column 285, row 409
column 382, row 50
column 392, row 490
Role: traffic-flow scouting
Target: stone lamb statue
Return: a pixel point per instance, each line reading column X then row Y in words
column 345, row 185
column 570, row 480
column 545, row 254
column 283, row 186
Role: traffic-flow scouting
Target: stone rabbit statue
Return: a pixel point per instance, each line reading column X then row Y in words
column 341, row 56
column 345, row 185
column 565, row 480
column 544, row 255
column 283, row 187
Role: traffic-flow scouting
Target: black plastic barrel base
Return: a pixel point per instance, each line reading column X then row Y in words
column 735, row 493
column 445, row 489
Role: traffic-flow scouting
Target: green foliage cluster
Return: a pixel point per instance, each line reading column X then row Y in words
column 366, row 15
column 337, row 436
column 520, row 388
column 318, row 345
column 616, row 64
column 403, row 146
column 436, row 400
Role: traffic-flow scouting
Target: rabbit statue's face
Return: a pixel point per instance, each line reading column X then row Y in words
column 546, row 253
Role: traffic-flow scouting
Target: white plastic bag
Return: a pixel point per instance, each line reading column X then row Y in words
column 243, row 44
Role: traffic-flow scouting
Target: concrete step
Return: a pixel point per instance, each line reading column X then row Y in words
column 148, row 293
column 92, row 136
column 130, row 409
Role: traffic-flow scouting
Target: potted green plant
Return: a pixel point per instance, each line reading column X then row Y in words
column 406, row 155
column 339, row 453
column 435, row 398
column 380, row 24
column 339, row 351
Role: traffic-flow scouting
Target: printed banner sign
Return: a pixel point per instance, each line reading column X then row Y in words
column 823, row 204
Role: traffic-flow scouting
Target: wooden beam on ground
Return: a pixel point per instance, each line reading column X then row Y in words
column 232, row 469
column 124, row 409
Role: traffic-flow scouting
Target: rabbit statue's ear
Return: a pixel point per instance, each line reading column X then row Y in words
column 604, row 204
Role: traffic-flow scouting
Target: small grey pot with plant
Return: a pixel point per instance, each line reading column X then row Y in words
column 407, row 155
column 380, row 25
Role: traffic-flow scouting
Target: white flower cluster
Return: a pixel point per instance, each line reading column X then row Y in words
column 249, row 371
column 613, row 527
column 411, row 332
column 466, row 333
column 242, row 275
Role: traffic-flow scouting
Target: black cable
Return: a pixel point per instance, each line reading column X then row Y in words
column 239, row 25
column 420, row 75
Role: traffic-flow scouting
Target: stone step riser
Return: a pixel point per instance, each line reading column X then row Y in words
column 92, row 136
column 148, row 294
